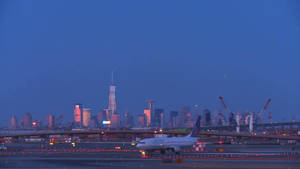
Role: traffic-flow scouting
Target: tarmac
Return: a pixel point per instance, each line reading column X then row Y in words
column 100, row 155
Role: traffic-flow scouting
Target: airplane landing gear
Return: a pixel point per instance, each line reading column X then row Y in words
column 146, row 154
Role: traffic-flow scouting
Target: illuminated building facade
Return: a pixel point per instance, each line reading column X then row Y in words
column 86, row 117
column 101, row 116
column 77, row 115
column 147, row 114
column 13, row 122
column 112, row 103
column 50, row 121
column 27, row 120
column 141, row 120
column 115, row 120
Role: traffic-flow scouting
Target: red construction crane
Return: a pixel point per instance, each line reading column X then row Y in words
column 266, row 106
column 264, row 109
column 224, row 105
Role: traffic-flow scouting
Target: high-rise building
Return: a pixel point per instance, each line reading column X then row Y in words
column 184, row 116
column 77, row 115
column 27, row 120
column 115, row 121
column 112, row 103
column 13, row 122
column 93, row 122
column 158, row 118
column 141, row 120
column 151, row 108
column 101, row 116
column 147, row 114
column 128, row 120
column 86, row 117
column 108, row 114
column 207, row 117
column 50, row 121
column 173, row 119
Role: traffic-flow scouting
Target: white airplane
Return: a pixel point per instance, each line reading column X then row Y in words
column 174, row 144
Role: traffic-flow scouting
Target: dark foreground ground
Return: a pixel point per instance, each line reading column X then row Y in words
column 93, row 163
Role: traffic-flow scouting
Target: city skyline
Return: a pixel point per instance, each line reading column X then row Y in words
column 148, row 111
column 244, row 51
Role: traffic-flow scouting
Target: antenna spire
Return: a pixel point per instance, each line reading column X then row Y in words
column 112, row 77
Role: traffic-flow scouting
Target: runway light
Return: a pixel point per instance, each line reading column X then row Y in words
column 220, row 150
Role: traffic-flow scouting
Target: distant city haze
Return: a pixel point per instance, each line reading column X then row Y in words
column 55, row 54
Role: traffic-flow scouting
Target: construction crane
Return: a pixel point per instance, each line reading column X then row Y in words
column 58, row 120
column 260, row 114
column 224, row 105
column 230, row 114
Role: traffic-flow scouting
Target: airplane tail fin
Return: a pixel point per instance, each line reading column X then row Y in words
column 196, row 128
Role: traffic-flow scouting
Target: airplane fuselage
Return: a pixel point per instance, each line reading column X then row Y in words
column 174, row 143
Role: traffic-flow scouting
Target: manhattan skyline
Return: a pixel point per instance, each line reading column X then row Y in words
column 54, row 56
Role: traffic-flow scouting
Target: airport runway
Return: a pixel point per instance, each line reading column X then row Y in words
column 105, row 155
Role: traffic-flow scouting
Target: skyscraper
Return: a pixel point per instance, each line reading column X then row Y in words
column 27, row 120
column 151, row 109
column 128, row 120
column 184, row 116
column 77, row 115
column 93, row 122
column 173, row 118
column 158, row 118
column 115, row 120
column 50, row 121
column 141, row 120
column 112, row 103
column 100, row 118
column 147, row 114
column 207, row 117
column 13, row 122
column 86, row 117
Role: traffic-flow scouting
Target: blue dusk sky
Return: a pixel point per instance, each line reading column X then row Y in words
column 56, row 53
